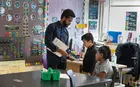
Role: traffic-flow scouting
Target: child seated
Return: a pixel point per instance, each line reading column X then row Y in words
column 103, row 68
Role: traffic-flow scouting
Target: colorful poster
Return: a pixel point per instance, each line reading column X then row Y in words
column 92, row 25
column 93, row 9
column 131, row 21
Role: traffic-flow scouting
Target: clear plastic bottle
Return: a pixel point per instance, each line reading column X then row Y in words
column 114, row 59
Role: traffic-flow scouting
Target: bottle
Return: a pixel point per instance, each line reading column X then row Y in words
column 114, row 59
column 139, row 40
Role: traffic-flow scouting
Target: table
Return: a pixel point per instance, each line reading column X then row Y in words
column 33, row 79
column 120, row 67
column 76, row 66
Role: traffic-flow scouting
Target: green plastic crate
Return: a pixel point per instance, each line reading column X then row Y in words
column 45, row 75
column 56, row 75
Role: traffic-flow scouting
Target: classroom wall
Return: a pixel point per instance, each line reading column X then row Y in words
column 115, row 16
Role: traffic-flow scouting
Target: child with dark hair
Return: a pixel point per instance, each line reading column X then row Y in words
column 89, row 58
column 103, row 68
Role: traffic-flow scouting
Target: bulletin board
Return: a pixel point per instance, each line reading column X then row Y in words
column 22, row 29
column 117, row 21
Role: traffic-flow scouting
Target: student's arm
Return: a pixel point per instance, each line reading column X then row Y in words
column 103, row 71
column 102, row 75
column 94, row 73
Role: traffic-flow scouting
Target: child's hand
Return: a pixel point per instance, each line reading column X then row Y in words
column 89, row 74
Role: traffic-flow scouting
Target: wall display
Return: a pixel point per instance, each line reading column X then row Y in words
column 40, row 2
column 33, row 6
column 16, row 18
column 9, row 4
column 25, row 18
column 77, row 20
column 6, row 34
column 26, row 12
column 26, row 6
column 17, row 4
column 2, row 3
column 33, row 17
column 30, row 0
column 131, row 21
column 2, row 11
column 25, row 29
column 8, row 17
column 36, row 47
column 11, row 27
column 93, row 9
column 11, row 49
column 37, row 30
column 92, row 25
column 40, row 12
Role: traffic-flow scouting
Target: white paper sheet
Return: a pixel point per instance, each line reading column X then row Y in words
column 64, row 76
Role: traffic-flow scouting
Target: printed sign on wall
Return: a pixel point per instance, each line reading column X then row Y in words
column 92, row 25
column 93, row 9
column 131, row 21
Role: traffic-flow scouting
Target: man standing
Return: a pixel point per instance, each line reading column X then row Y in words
column 58, row 30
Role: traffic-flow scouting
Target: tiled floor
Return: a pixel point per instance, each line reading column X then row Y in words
column 16, row 66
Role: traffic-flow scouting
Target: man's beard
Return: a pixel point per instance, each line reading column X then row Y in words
column 64, row 24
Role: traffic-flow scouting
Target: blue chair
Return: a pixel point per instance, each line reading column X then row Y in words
column 71, row 76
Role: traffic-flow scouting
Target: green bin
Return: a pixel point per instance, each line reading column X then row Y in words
column 45, row 75
column 56, row 75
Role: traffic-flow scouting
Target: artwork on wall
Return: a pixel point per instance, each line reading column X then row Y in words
column 26, row 8
column 33, row 17
column 40, row 13
column 2, row 11
column 37, row 30
column 93, row 9
column 16, row 18
column 17, row 4
column 131, row 21
column 54, row 19
column 9, row 17
column 9, row 4
column 92, row 25
column 2, row 3
column 33, row 6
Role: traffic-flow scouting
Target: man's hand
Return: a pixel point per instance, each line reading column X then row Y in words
column 89, row 74
column 71, row 58
column 62, row 52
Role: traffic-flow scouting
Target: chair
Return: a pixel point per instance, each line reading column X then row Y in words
column 125, row 52
column 114, row 77
column 71, row 76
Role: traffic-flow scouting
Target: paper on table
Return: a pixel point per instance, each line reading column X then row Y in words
column 64, row 76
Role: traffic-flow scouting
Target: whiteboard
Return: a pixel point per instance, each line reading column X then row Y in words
column 118, row 18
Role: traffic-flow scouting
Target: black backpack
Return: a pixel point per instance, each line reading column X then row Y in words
column 125, row 52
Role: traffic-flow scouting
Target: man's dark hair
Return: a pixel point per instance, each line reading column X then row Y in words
column 68, row 13
column 88, row 37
